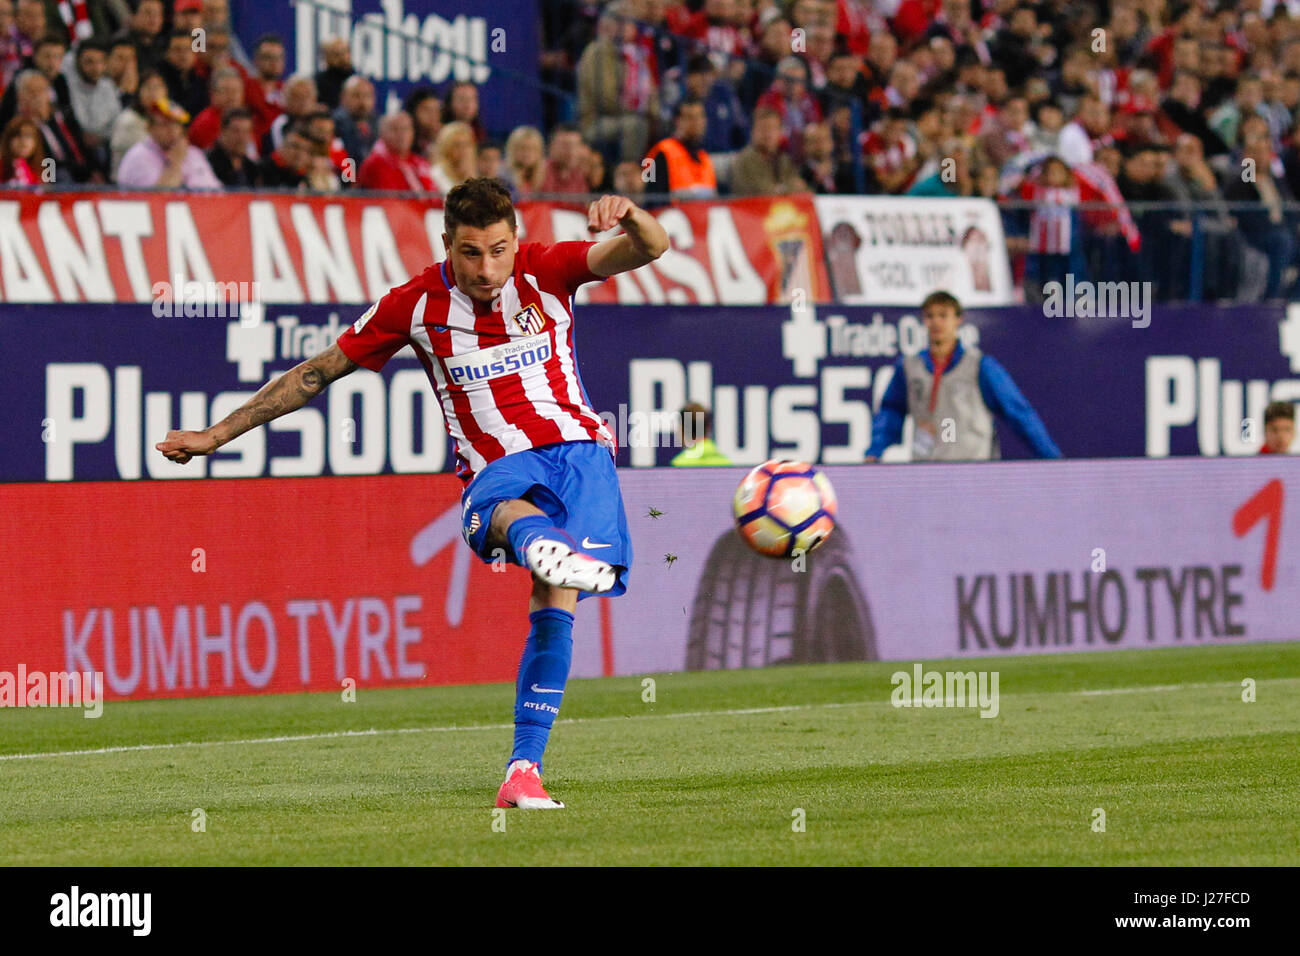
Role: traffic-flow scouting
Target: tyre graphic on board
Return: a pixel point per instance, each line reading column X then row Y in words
column 754, row 611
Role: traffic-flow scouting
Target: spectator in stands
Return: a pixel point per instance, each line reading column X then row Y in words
column 597, row 172
column 882, row 54
column 1163, row 257
column 229, row 155
column 1051, row 222
column 216, row 17
column 1267, row 228
column 728, row 126
column 891, row 152
column 617, row 93
column 949, row 179
column 664, row 45
column 166, row 159
column 299, row 103
column 1191, row 181
column 790, row 97
column 565, row 163
column 820, row 47
column 122, row 69
column 145, row 30
column 132, row 124
column 338, row 67
column 10, row 58
column 22, row 154
column 1279, row 428
column 227, row 94
column 264, row 92
column 320, row 127
column 819, row 171
column 47, row 58
column 74, row 161
column 1008, row 134
column 1020, row 49
column 525, row 168
column 425, row 110
column 184, row 85
column 216, row 55
column 95, row 100
column 188, row 16
column 1085, row 131
column 760, row 70
column 490, row 163
column 286, row 168
column 628, row 181
column 905, row 84
column 1248, row 100
column 355, row 118
column 321, row 176
column 763, row 168
column 392, row 165
column 455, row 156
column 462, row 107
column 717, row 30
column 847, row 85
column 682, row 166
column 1045, row 130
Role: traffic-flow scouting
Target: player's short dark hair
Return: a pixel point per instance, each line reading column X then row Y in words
column 941, row 298
column 478, row 203
column 1278, row 410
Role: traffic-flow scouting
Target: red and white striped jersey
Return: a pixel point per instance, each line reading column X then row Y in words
column 1051, row 224
column 505, row 373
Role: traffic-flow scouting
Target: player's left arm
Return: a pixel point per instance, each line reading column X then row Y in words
column 643, row 240
column 1002, row 396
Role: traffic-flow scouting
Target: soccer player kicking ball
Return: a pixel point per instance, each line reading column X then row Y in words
column 493, row 327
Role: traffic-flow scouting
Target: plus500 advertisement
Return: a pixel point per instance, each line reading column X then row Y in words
column 89, row 390
column 236, row 587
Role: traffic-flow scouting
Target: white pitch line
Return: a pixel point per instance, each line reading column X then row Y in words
column 734, row 712
column 375, row 732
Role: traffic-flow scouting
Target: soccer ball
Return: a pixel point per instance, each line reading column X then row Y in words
column 784, row 506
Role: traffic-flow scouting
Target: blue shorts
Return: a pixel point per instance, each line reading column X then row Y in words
column 576, row 486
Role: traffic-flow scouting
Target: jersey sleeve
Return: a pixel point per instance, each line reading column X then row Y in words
column 567, row 263
column 380, row 332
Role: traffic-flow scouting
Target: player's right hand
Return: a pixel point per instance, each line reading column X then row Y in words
column 180, row 447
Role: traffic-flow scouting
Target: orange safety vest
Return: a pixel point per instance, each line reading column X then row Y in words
column 685, row 173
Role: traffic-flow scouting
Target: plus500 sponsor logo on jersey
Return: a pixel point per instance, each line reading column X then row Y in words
column 501, row 360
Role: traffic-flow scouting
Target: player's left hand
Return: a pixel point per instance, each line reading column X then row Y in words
column 608, row 211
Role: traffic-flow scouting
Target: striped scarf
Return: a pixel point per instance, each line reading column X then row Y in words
column 76, row 18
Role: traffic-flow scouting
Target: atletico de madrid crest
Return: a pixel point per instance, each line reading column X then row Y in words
column 474, row 523
column 529, row 320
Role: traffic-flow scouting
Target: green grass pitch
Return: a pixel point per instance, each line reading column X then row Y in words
column 712, row 772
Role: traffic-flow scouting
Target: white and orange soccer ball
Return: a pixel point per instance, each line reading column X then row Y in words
column 784, row 506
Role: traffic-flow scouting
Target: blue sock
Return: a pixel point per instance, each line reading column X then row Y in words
column 545, row 666
column 523, row 530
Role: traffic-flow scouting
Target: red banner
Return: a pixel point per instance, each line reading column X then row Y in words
column 257, row 586
column 137, row 247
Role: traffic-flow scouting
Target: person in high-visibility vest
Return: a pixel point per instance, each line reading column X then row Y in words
column 695, row 430
column 681, row 164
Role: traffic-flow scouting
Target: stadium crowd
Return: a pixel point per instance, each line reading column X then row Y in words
column 1075, row 115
